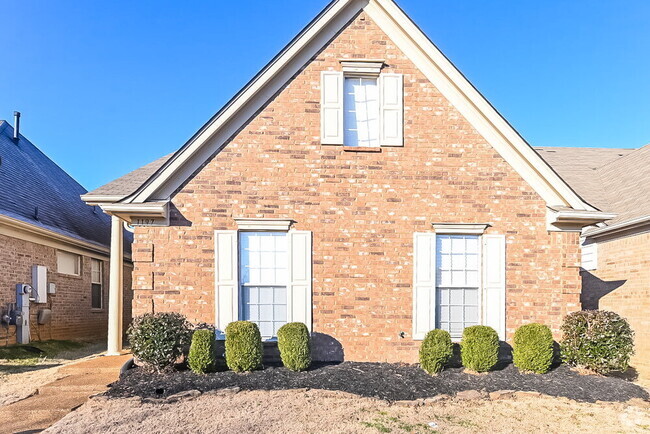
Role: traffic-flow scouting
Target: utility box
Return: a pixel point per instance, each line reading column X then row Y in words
column 39, row 283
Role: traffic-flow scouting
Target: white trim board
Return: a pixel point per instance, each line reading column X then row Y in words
column 420, row 50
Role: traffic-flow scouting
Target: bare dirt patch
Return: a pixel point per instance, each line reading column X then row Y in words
column 316, row 411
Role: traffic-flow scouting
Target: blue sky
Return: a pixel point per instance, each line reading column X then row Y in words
column 106, row 87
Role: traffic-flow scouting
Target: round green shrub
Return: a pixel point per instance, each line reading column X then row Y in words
column 435, row 351
column 294, row 345
column 243, row 346
column 202, row 351
column 533, row 348
column 598, row 340
column 479, row 348
column 159, row 339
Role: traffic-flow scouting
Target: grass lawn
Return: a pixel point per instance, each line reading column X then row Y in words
column 16, row 358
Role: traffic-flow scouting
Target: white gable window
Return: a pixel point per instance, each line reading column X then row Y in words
column 361, row 107
column 589, row 256
column 459, row 281
column 361, row 112
column 68, row 263
column 263, row 276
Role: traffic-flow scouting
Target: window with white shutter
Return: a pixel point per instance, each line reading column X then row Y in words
column 264, row 277
column 362, row 109
column 458, row 282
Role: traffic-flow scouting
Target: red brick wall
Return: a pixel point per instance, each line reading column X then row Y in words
column 362, row 208
column 72, row 316
column 621, row 283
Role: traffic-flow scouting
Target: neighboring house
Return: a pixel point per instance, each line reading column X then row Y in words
column 616, row 255
column 43, row 222
column 361, row 185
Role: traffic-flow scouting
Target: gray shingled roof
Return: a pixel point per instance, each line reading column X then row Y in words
column 129, row 183
column 610, row 179
column 33, row 189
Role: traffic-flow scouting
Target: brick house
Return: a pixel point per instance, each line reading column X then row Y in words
column 43, row 222
column 359, row 184
column 615, row 255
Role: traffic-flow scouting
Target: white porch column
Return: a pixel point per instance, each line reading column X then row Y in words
column 116, row 284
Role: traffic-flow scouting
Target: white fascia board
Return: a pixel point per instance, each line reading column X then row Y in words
column 472, row 105
column 574, row 220
column 211, row 139
column 15, row 228
column 637, row 223
column 149, row 209
column 91, row 199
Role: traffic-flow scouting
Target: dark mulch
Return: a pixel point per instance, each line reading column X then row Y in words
column 387, row 381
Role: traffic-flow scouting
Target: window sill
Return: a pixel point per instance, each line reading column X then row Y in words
column 95, row 310
column 361, row 149
column 70, row 276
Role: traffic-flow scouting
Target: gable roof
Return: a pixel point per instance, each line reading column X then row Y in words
column 34, row 190
column 607, row 178
column 410, row 40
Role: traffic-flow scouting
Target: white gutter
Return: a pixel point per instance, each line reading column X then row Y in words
column 85, row 246
column 619, row 227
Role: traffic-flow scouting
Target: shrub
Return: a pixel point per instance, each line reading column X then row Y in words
column 533, row 348
column 435, row 351
column 294, row 346
column 202, row 351
column 479, row 348
column 243, row 346
column 598, row 340
column 159, row 339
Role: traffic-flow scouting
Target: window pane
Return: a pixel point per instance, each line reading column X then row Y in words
column 68, row 263
column 96, row 296
column 457, row 271
column 361, row 112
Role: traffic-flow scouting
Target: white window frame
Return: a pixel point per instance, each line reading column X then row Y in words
column 259, row 285
column 373, row 134
column 390, row 92
column 73, row 256
column 479, row 279
column 227, row 269
column 492, row 277
column 99, row 282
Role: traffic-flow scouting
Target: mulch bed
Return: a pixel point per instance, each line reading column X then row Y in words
column 392, row 382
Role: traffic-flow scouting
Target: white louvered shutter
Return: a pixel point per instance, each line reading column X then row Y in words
column 226, row 279
column 494, row 283
column 424, row 283
column 391, row 110
column 299, row 291
column 331, row 108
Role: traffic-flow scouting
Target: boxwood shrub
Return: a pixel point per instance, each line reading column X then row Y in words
column 202, row 351
column 597, row 340
column 243, row 346
column 294, row 345
column 479, row 348
column 532, row 349
column 435, row 351
column 158, row 340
